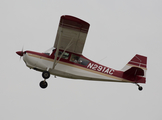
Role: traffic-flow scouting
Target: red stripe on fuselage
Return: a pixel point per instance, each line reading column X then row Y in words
column 95, row 67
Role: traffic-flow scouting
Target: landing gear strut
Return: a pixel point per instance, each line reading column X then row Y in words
column 43, row 84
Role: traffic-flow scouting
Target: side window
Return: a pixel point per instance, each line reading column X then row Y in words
column 64, row 56
column 79, row 60
column 74, row 58
column 83, row 61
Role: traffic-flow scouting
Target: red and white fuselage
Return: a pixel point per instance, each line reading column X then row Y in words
column 85, row 68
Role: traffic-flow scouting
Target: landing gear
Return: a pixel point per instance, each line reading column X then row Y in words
column 140, row 88
column 45, row 74
column 43, row 84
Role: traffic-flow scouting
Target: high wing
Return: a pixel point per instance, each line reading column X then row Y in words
column 71, row 34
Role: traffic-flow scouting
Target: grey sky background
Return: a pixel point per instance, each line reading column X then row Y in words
column 119, row 30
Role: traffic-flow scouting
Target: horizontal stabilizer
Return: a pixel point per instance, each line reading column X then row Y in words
column 133, row 71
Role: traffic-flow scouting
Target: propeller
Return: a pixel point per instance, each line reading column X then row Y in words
column 20, row 53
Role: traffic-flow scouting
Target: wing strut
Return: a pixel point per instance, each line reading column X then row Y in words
column 69, row 44
column 55, row 60
column 58, row 45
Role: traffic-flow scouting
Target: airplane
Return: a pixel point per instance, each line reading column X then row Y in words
column 65, row 58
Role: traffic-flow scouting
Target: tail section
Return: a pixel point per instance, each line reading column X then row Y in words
column 135, row 69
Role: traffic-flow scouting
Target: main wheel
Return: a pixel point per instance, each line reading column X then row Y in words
column 140, row 88
column 45, row 74
column 43, row 84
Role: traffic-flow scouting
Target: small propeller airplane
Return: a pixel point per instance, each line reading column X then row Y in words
column 65, row 58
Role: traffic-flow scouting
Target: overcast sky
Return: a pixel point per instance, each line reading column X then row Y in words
column 119, row 30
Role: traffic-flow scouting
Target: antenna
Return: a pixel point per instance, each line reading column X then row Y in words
column 102, row 59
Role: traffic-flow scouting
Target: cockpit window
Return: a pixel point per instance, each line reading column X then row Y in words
column 79, row 60
column 64, row 56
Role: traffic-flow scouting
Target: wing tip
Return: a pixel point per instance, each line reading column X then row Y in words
column 75, row 19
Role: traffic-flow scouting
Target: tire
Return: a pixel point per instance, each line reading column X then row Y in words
column 43, row 84
column 45, row 74
column 140, row 88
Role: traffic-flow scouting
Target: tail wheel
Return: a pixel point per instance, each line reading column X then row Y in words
column 45, row 74
column 140, row 88
column 43, row 84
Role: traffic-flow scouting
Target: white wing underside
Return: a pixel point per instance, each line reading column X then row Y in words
column 71, row 34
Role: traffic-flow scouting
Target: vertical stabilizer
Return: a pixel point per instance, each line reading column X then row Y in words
column 137, row 61
column 135, row 69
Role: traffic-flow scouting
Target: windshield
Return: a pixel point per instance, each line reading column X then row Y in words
column 49, row 51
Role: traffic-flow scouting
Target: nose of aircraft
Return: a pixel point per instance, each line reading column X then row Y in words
column 20, row 53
